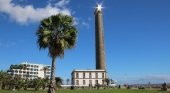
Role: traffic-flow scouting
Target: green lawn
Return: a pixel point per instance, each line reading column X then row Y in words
column 91, row 91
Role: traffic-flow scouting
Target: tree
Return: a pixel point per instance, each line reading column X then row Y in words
column 23, row 66
column 56, row 33
column 11, row 67
column 107, row 81
column 37, row 83
column 164, row 87
column 4, row 79
column 2, row 73
column 16, row 82
column 45, row 82
column 25, row 84
column 59, row 81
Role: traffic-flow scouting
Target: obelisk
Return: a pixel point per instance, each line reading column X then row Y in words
column 99, row 38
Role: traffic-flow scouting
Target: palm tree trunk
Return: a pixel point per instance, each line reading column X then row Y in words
column 52, row 86
column 0, row 84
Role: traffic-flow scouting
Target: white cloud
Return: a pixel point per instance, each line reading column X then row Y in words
column 85, row 24
column 28, row 13
column 62, row 3
column 89, row 19
column 76, row 21
column 7, row 44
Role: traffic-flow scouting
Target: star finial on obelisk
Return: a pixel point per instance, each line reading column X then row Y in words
column 99, row 7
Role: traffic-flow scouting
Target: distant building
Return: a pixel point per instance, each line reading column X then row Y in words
column 88, row 77
column 30, row 70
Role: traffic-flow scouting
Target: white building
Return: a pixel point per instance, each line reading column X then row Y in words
column 30, row 70
column 88, row 77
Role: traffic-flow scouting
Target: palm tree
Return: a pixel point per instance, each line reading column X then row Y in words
column 56, row 33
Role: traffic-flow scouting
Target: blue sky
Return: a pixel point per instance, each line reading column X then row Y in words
column 137, row 37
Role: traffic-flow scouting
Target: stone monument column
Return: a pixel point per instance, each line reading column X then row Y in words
column 99, row 39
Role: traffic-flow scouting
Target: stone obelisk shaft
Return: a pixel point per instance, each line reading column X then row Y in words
column 99, row 36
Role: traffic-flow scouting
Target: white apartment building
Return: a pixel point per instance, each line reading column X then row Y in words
column 31, row 71
column 88, row 77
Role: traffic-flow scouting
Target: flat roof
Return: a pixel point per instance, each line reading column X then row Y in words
column 88, row 70
column 33, row 63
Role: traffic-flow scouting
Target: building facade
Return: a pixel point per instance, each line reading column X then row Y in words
column 30, row 71
column 88, row 77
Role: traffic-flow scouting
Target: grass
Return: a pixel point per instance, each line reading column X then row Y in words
column 91, row 91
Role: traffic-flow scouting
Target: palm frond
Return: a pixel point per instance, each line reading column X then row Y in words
column 57, row 33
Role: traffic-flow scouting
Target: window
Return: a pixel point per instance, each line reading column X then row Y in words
column 16, row 71
column 77, row 82
column 24, row 75
column 96, row 75
column 35, row 76
column 90, row 75
column 35, row 69
column 47, row 75
column 84, row 82
column 83, row 75
column 77, row 75
column 103, row 75
column 103, row 82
